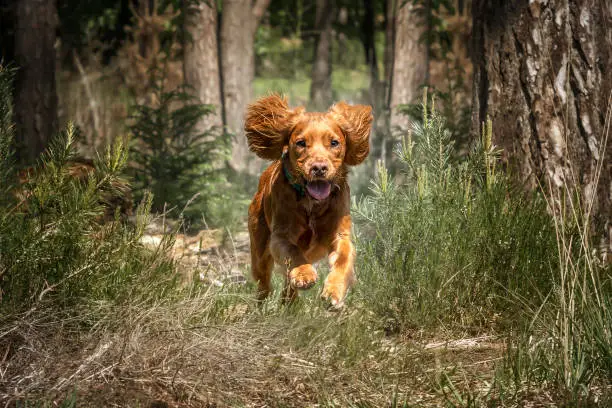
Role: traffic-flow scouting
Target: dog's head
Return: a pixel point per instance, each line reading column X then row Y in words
column 316, row 145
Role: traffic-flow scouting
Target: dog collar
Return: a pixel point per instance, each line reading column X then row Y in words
column 296, row 186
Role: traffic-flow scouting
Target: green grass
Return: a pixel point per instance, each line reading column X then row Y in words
column 347, row 84
column 297, row 90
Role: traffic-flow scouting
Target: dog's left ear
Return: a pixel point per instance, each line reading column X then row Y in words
column 356, row 123
column 267, row 125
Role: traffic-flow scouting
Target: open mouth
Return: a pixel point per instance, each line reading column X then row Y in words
column 319, row 189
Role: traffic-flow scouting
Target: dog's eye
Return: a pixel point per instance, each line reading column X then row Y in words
column 301, row 143
column 335, row 143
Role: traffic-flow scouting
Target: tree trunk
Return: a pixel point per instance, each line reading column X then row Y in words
column 369, row 42
column 428, row 39
column 201, row 61
column 321, row 85
column 390, row 8
column 409, row 67
column 239, row 22
column 542, row 73
column 35, row 96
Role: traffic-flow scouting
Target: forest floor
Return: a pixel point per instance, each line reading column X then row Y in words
column 217, row 348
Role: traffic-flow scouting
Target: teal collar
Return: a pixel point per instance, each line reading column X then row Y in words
column 296, row 186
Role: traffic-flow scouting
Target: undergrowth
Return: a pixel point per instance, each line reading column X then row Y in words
column 453, row 246
column 469, row 294
column 448, row 242
column 53, row 245
column 176, row 159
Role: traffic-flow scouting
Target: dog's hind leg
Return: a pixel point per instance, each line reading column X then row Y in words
column 261, row 267
column 261, row 259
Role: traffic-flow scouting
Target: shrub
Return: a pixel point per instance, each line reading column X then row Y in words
column 450, row 240
column 52, row 245
column 452, row 244
column 174, row 160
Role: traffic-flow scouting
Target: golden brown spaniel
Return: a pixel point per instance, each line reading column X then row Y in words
column 301, row 211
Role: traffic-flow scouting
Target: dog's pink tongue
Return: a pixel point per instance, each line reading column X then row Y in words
column 319, row 189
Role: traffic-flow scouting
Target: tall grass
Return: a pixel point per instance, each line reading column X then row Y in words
column 568, row 344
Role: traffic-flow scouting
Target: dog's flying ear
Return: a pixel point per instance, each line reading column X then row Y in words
column 356, row 123
column 268, row 124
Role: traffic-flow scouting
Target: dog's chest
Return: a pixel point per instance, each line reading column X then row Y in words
column 311, row 241
column 309, row 236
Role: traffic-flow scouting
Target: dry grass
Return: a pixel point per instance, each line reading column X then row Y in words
column 217, row 348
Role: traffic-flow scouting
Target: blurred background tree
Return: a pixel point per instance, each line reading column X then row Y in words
column 99, row 56
column 230, row 51
column 35, row 96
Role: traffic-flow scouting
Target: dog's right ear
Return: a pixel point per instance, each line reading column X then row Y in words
column 268, row 124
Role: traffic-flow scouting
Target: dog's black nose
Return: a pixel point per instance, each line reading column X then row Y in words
column 318, row 169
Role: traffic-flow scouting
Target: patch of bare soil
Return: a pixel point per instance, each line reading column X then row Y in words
column 212, row 256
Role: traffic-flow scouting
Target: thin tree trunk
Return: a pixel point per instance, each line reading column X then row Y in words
column 35, row 97
column 239, row 22
column 409, row 67
column 542, row 74
column 390, row 9
column 321, row 86
column 428, row 39
column 384, row 119
column 201, row 61
column 369, row 42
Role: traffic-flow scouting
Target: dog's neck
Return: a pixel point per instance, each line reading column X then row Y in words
column 297, row 186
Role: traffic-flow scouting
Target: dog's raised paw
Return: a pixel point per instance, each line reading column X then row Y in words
column 303, row 277
column 334, row 294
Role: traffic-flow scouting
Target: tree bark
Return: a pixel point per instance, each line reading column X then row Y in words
column 542, row 73
column 201, row 60
column 409, row 67
column 321, row 85
column 239, row 22
column 35, row 89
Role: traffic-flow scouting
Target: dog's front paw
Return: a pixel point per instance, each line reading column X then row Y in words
column 334, row 293
column 303, row 276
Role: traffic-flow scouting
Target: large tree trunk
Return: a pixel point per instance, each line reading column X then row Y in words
column 409, row 62
column 321, row 85
column 201, row 61
column 239, row 22
column 543, row 74
column 35, row 97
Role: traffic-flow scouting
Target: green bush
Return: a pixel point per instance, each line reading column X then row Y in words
column 450, row 240
column 174, row 160
column 52, row 244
